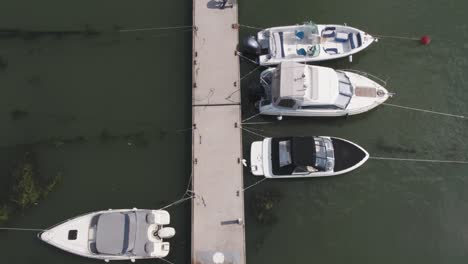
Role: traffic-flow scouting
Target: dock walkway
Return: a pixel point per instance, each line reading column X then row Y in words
column 218, row 209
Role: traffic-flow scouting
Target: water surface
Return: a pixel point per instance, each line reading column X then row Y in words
column 125, row 96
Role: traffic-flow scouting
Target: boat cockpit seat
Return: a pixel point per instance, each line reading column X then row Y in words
column 166, row 232
column 328, row 32
column 299, row 34
column 342, row 37
column 162, row 217
column 161, row 249
column 149, row 247
column 331, row 51
column 301, row 52
column 351, row 41
column 150, row 219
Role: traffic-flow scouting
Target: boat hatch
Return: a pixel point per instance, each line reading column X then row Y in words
column 72, row 234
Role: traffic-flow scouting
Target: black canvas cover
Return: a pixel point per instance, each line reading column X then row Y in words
column 346, row 154
column 302, row 154
column 303, row 151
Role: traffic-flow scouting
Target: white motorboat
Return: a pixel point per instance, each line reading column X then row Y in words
column 125, row 234
column 308, row 42
column 299, row 157
column 295, row 89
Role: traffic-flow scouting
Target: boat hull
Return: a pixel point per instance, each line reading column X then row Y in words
column 271, row 51
column 73, row 236
column 349, row 157
column 368, row 94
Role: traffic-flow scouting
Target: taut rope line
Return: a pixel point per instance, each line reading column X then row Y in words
column 245, row 26
column 154, row 28
column 395, row 37
column 21, row 229
column 421, row 160
column 425, row 111
column 254, row 184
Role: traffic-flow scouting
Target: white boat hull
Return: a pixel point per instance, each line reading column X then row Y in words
column 367, row 95
column 59, row 236
column 263, row 150
column 285, row 47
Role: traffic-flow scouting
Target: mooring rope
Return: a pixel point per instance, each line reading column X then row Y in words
column 188, row 194
column 395, row 37
column 154, row 28
column 426, row 111
column 250, row 131
column 256, row 123
column 21, row 229
column 177, row 202
column 245, row 26
column 252, row 71
column 421, row 160
column 247, row 119
column 246, row 58
column 254, row 184
column 167, row 261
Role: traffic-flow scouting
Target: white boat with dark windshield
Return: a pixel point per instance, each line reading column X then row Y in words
column 300, row 157
column 308, row 42
column 125, row 234
column 295, row 89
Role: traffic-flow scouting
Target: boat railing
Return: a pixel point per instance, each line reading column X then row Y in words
column 368, row 75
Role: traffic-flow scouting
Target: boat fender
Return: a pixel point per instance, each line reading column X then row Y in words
column 279, row 118
column 350, row 58
column 425, row 40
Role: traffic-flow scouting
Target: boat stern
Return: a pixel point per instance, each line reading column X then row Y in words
column 256, row 158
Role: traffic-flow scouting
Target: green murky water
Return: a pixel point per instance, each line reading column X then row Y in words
column 125, row 96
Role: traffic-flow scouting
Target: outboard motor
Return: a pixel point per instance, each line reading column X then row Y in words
column 252, row 46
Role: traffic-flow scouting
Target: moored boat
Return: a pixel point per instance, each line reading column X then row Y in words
column 295, row 89
column 308, row 42
column 125, row 234
column 301, row 157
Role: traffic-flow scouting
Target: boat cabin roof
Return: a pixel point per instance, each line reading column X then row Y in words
column 120, row 233
column 112, row 230
column 310, row 85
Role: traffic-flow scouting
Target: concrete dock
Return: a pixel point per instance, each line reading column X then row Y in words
column 218, row 231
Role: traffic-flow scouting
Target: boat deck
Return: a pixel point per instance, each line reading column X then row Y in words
column 218, row 209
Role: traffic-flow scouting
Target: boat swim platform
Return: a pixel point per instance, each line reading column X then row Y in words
column 218, row 206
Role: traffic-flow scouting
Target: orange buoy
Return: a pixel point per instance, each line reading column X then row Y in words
column 425, row 40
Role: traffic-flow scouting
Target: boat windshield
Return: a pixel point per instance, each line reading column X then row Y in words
column 324, row 154
column 312, row 26
column 345, row 89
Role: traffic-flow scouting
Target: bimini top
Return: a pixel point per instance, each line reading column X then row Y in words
column 311, row 85
column 300, row 154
